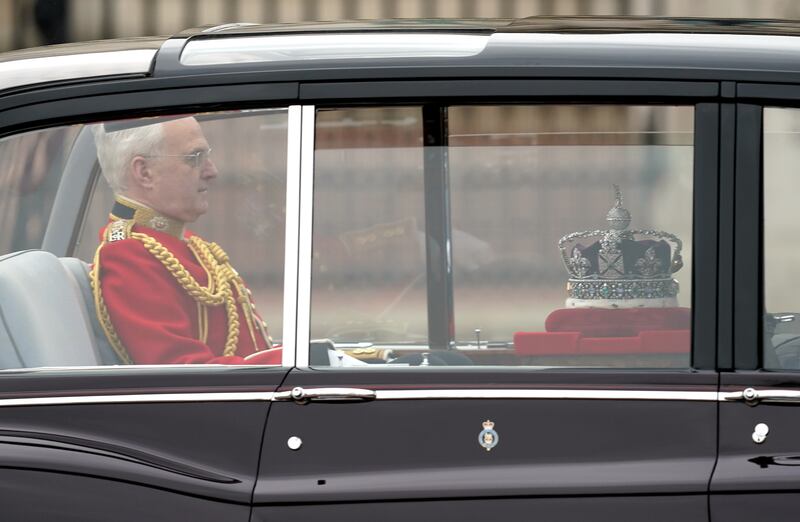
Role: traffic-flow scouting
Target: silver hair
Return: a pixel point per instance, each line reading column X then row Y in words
column 116, row 149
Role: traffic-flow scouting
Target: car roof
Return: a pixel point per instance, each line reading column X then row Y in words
column 538, row 24
column 697, row 48
column 75, row 61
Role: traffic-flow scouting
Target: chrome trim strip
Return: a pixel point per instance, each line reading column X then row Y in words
column 224, row 27
column 143, row 398
column 294, row 133
column 776, row 396
column 698, row 42
column 277, row 48
column 30, row 71
column 300, row 394
column 649, row 395
column 753, row 396
column 426, row 394
column 132, row 368
column 306, row 231
column 731, row 396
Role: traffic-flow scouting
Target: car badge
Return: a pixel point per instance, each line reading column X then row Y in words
column 488, row 438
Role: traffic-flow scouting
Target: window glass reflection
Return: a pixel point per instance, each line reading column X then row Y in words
column 570, row 234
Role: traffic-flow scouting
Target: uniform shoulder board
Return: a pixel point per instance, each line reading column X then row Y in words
column 118, row 230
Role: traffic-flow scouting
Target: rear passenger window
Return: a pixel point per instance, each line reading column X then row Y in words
column 177, row 247
column 30, row 170
column 781, row 257
column 568, row 235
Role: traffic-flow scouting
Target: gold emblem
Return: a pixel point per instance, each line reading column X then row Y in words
column 159, row 223
column 117, row 231
column 488, row 438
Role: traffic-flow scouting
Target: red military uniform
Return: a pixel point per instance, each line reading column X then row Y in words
column 160, row 316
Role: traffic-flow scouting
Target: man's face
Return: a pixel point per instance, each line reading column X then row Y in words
column 179, row 188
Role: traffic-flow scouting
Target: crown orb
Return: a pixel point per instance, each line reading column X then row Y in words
column 618, row 218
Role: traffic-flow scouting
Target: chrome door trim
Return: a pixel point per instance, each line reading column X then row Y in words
column 423, row 394
column 753, row 396
column 303, row 395
column 428, row 394
column 294, row 133
column 305, row 236
column 142, row 398
column 660, row 395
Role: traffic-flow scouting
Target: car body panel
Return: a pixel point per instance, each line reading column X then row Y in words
column 210, row 443
column 137, row 426
column 427, row 447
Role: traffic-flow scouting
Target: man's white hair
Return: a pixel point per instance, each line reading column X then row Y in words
column 116, row 149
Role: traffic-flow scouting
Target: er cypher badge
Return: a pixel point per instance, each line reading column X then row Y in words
column 488, row 438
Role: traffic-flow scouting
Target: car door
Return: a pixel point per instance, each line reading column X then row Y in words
column 450, row 370
column 757, row 474
column 85, row 439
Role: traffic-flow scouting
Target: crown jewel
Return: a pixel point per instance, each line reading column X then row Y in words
column 621, row 268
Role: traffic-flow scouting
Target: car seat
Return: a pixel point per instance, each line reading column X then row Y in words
column 43, row 316
column 80, row 272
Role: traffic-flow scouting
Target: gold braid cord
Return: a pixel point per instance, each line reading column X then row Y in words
column 102, row 311
column 222, row 280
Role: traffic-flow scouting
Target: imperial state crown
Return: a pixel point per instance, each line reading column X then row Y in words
column 622, row 268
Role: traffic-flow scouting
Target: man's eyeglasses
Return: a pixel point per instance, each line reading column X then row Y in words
column 195, row 159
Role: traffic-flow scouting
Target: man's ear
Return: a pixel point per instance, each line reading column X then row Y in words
column 141, row 173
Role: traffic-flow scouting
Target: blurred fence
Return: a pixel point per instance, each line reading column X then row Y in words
column 28, row 23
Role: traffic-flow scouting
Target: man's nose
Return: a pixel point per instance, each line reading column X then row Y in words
column 209, row 170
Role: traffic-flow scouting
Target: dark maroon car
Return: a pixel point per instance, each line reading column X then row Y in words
column 534, row 269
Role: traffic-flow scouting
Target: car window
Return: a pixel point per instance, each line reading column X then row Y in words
column 194, row 271
column 369, row 227
column 30, row 170
column 569, row 235
column 781, row 324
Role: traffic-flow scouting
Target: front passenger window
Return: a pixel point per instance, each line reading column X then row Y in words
column 567, row 235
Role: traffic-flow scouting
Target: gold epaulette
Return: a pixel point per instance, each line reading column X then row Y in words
column 118, row 230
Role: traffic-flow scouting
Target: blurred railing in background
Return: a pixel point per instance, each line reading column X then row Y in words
column 28, row 23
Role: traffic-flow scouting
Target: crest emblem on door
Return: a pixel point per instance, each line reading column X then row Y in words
column 488, row 438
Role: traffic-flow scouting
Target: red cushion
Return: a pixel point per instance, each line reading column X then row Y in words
column 545, row 343
column 617, row 322
column 600, row 331
column 609, row 345
column 666, row 341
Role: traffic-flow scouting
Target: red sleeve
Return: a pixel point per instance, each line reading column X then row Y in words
column 153, row 315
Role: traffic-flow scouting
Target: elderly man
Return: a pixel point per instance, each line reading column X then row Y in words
column 163, row 294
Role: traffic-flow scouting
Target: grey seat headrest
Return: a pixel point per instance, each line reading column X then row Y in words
column 43, row 318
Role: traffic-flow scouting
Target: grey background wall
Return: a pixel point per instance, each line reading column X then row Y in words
column 97, row 19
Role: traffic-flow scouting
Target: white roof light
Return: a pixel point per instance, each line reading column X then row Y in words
column 282, row 48
column 30, row 71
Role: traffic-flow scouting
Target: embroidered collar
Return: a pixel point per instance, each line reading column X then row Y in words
column 126, row 208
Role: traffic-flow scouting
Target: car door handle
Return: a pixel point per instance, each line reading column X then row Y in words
column 752, row 396
column 304, row 395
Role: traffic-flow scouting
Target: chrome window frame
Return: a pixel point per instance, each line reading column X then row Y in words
column 305, row 235
column 292, row 235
